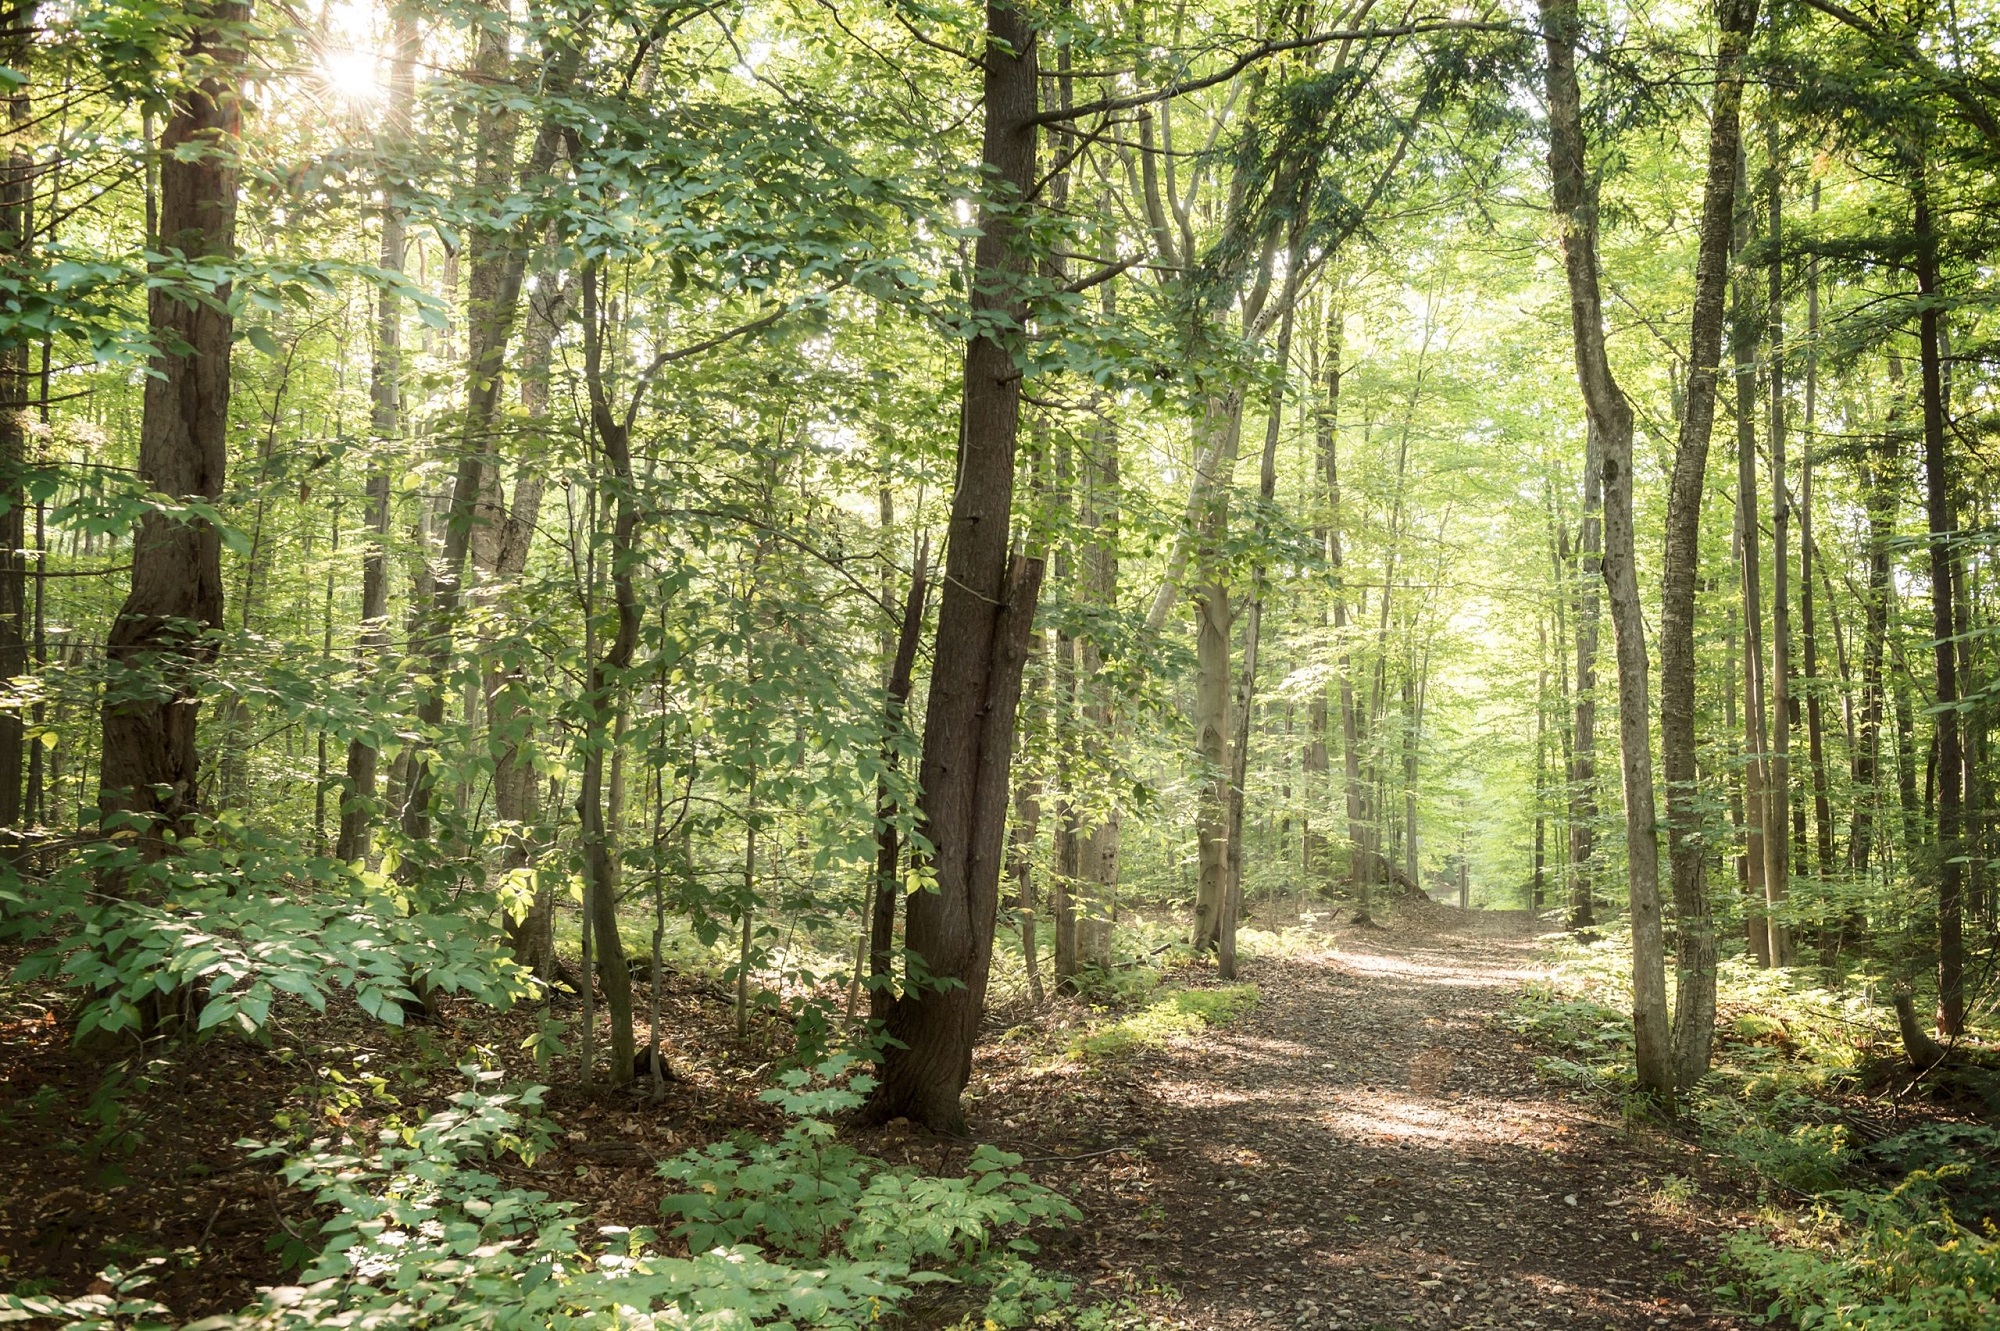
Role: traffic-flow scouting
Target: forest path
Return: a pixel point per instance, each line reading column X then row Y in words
column 1370, row 1150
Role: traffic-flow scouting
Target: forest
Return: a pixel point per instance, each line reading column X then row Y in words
column 1086, row 664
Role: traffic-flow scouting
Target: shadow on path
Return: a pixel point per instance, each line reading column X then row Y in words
column 1369, row 1149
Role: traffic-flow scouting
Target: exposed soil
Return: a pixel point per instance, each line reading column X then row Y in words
column 1369, row 1149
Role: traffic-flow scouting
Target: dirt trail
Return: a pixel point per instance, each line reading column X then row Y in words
column 1369, row 1150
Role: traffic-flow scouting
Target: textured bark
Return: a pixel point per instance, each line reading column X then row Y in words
column 1943, row 530
column 510, row 711
column 888, row 884
column 1583, row 753
column 1097, row 869
column 1246, row 684
column 359, row 807
column 163, row 636
column 1361, row 862
column 1756, row 771
column 1687, row 849
column 17, row 192
column 985, row 618
column 1778, row 780
column 496, row 264
column 605, row 699
column 1222, row 427
column 1611, row 414
column 1808, row 624
column 1865, row 770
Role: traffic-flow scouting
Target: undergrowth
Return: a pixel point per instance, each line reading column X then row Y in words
column 429, row 1230
column 1896, row 1234
column 1175, row 1014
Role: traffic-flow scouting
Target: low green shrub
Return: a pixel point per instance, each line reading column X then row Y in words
column 1174, row 1015
column 424, row 1232
column 1868, row 1261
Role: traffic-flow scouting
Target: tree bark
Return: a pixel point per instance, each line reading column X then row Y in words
column 1943, row 531
column 1583, row 761
column 1687, row 850
column 1222, row 427
column 163, row 636
column 497, row 262
column 1756, row 773
column 984, row 622
column 1808, row 556
column 606, row 693
column 888, row 884
column 1246, row 686
column 1778, row 780
column 359, row 807
column 17, row 240
column 1611, row 414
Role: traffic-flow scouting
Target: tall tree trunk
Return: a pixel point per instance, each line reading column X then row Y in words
column 1756, row 773
column 1778, row 780
column 17, row 383
column 510, row 711
column 1253, row 627
column 496, row 263
column 1222, row 422
column 984, row 622
column 1943, row 531
column 1694, row 993
column 358, row 806
column 1097, row 904
column 888, row 886
column 1361, row 865
column 1611, row 414
column 162, row 638
column 606, row 693
column 1808, row 626
column 1865, row 770
column 1583, row 760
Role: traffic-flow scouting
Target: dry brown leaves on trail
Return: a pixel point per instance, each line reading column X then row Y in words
column 1368, row 1149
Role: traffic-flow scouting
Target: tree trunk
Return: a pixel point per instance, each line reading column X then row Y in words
column 1943, row 531
column 1583, row 761
column 358, row 806
column 1808, row 626
column 984, row 622
column 1756, row 773
column 1778, row 780
column 1246, row 685
column 1222, row 423
column 606, row 689
column 1611, row 414
column 497, row 262
column 888, row 886
column 161, row 640
column 1694, row 997
column 1097, row 905
column 510, row 711
column 17, row 197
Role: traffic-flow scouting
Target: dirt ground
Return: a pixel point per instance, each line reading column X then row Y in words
column 1370, row 1149
column 1367, row 1149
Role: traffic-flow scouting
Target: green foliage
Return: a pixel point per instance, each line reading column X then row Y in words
column 810, row 1197
column 1896, row 1237
column 426, row 1231
column 1869, row 1261
column 232, row 923
column 1179, row 1014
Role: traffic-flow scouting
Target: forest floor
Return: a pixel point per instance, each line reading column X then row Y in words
column 1370, row 1148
